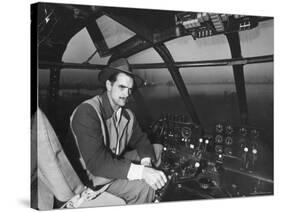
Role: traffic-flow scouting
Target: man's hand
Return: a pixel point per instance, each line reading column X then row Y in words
column 154, row 178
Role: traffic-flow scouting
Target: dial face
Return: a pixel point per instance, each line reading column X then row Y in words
column 228, row 140
column 219, row 149
column 243, row 131
column 219, row 139
column 219, row 128
column 186, row 132
column 229, row 130
column 228, row 151
column 205, row 183
column 255, row 133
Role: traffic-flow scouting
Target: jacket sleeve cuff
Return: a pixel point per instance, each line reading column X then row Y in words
column 146, row 161
column 135, row 172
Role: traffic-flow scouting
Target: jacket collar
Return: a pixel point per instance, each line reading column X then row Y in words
column 107, row 109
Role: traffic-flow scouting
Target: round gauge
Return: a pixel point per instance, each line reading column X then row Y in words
column 243, row 131
column 228, row 151
column 219, row 149
column 219, row 139
column 165, row 165
column 254, row 133
column 229, row 130
column 219, row 128
column 186, row 132
column 228, row 140
column 205, row 183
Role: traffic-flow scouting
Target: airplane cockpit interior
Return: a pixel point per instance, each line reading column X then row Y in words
column 207, row 95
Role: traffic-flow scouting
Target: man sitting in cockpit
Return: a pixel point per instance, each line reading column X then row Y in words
column 104, row 129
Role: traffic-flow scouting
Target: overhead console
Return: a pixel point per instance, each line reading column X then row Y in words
column 204, row 24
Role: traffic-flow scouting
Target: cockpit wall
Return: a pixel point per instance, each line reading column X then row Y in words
column 205, row 69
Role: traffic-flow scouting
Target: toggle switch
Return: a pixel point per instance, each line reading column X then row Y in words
column 200, row 142
column 206, row 144
column 245, row 157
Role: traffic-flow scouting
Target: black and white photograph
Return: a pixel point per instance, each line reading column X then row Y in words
column 137, row 106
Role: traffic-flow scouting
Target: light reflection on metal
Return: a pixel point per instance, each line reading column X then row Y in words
column 186, row 64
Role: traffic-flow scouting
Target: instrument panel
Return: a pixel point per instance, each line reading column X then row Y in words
column 223, row 161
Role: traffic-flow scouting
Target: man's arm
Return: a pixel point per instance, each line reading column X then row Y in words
column 99, row 159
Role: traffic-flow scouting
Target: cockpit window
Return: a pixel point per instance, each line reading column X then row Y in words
column 113, row 32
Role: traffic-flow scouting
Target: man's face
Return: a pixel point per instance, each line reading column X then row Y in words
column 120, row 90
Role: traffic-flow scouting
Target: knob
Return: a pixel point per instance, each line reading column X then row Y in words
column 179, row 185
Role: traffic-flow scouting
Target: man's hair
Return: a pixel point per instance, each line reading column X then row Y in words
column 113, row 77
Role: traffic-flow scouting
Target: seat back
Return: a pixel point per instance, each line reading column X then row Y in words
column 55, row 175
column 53, row 167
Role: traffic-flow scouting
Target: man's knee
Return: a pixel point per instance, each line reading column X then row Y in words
column 145, row 192
column 133, row 192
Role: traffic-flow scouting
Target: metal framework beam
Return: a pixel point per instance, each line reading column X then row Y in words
column 185, row 64
column 238, row 72
column 97, row 38
column 174, row 71
column 130, row 47
column 53, row 93
column 208, row 63
column 169, row 34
